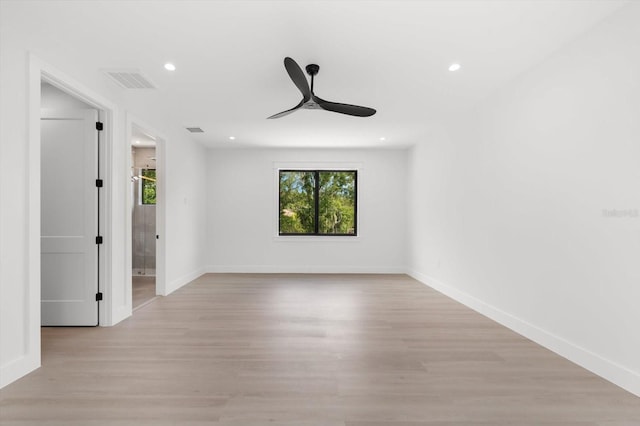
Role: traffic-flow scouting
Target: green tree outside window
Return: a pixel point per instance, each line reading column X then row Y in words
column 148, row 177
column 317, row 202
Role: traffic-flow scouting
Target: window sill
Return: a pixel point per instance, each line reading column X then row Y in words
column 317, row 238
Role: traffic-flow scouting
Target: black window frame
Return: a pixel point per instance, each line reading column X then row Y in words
column 317, row 202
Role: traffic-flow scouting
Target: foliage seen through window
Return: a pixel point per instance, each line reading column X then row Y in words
column 148, row 178
column 318, row 202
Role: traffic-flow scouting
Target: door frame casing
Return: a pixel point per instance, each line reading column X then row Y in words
column 112, row 218
column 40, row 71
column 161, row 283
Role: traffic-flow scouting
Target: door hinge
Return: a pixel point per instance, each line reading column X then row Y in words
column 99, row 183
column 98, row 297
column 98, row 239
column 99, row 126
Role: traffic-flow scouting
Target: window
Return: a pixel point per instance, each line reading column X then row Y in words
column 318, row 202
column 148, row 192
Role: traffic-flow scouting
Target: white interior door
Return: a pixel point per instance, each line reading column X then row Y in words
column 69, row 212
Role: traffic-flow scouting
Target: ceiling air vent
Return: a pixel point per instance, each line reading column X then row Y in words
column 195, row 130
column 130, row 79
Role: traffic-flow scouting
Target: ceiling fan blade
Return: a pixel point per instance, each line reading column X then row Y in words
column 296, row 74
column 358, row 111
column 287, row 112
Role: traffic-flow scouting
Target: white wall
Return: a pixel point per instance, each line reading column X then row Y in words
column 507, row 203
column 185, row 175
column 243, row 197
column 21, row 34
column 53, row 98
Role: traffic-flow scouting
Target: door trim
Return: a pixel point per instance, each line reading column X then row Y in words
column 106, row 112
column 113, row 211
column 39, row 71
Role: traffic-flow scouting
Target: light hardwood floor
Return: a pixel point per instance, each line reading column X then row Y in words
column 330, row 350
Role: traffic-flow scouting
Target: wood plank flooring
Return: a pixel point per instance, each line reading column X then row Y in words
column 307, row 350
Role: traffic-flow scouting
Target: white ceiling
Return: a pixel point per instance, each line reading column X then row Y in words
column 141, row 139
column 389, row 55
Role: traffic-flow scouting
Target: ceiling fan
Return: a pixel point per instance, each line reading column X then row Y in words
column 310, row 100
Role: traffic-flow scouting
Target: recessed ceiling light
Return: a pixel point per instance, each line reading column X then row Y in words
column 232, row 138
column 383, row 138
column 169, row 66
column 454, row 67
column 137, row 141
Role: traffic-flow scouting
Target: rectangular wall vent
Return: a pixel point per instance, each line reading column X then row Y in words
column 130, row 79
column 195, row 130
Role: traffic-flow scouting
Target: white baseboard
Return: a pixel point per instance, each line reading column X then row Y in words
column 118, row 315
column 288, row 269
column 13, row 370
column 609, row 370
column 183, row 280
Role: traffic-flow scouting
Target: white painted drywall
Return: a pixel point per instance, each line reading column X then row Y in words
column 54, row 98
column 20, row 40
column 243, row 210
column 528, row 207
column 185, row 176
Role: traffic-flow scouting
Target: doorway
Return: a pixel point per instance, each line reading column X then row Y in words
column 70, row 148
column 143, row 217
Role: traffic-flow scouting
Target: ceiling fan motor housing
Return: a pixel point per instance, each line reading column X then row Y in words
column 312, row 69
